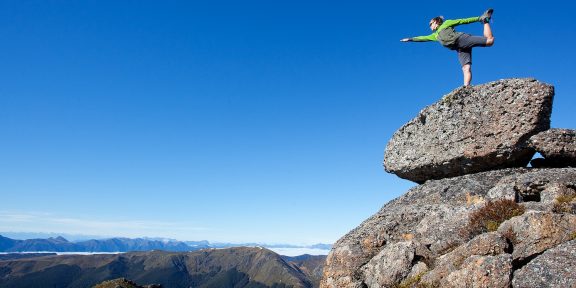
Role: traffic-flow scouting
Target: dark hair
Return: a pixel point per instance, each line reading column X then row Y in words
column 438, row 20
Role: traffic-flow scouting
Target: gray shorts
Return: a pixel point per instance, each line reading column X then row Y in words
column 464, row 46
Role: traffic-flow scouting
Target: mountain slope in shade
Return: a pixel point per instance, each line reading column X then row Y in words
column 312, row 266
column 14, row 256
column 234, row 267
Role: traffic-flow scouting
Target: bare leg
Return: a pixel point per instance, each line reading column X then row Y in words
column 467, row 71
column 488, row 34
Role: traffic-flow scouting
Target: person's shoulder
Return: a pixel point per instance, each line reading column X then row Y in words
column 447, row 23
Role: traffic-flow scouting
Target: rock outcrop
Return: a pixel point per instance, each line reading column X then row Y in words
column 558, row 146
column 505, row 227
column 472, row 129
column 123, row 283
column 425, row 226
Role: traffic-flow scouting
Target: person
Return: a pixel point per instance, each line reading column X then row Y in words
column 443, row 32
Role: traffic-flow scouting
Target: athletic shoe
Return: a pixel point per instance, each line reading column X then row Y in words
column 485, row 18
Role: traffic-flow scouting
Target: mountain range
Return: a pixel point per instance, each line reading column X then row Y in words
column 232, row 267
column 60, row 244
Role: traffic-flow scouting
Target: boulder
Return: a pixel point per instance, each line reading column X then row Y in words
column 470, row 130
column 553, row 268
column 558, row 146
column 391, row 265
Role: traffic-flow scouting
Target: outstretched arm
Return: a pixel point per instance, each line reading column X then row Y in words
column 456, row 22
column 431, row 37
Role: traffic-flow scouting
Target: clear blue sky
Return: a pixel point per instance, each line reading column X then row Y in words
column 262, row 121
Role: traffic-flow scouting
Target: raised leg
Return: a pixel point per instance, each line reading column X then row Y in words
column 488, row 34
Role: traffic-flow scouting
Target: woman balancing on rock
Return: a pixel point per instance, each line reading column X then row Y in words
column 443, row 32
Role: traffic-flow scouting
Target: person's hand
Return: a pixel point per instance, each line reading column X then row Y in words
column 405, row 40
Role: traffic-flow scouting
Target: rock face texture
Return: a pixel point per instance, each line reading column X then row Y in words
column 449, row 232
column 423, row 228
column 472, row 129
column 558, row 146
column 554, row 268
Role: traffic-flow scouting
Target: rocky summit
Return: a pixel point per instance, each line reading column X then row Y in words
column 470, row 130
column 474, row 221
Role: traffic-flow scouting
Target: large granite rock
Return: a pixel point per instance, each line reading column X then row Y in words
column 472, row 129
column 417, row 237
column 558, row 146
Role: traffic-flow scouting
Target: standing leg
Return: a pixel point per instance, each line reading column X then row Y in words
column 467, row 71
column 465, row 59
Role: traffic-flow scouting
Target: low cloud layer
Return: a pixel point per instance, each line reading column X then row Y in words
column 50, row 223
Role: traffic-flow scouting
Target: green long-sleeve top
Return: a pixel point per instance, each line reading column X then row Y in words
column 445, row 34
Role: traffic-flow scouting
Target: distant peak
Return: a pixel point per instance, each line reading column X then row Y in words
column 60, row 239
